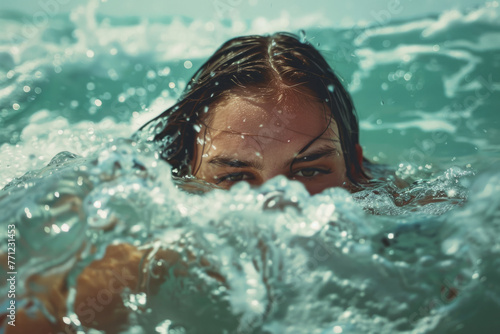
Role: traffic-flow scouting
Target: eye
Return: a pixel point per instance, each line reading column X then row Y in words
column 233, row 177
column 311, row 172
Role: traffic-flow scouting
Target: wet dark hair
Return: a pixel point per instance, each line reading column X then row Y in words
column 270, row 64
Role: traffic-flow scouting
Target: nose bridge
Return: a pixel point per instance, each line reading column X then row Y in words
column 273, row 172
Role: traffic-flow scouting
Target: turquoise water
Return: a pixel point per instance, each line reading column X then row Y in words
column 427, row 90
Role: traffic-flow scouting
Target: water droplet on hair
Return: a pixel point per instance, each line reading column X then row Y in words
column 302, row 35
column 331, row 88
column 212, row 74
column 205, row 109
column 197, row 128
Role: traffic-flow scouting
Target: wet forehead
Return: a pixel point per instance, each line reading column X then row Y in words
column 284, row 120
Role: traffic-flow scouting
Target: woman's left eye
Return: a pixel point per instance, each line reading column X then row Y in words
column 311, row 172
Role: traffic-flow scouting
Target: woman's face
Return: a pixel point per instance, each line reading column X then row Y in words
column 254, row 142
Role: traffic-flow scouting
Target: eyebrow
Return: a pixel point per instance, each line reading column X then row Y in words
column 231, row 162
column 315, row 154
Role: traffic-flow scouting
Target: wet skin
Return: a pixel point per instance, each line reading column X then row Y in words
column 254, row 141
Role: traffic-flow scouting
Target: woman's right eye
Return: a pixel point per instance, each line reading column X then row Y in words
column 233, row 177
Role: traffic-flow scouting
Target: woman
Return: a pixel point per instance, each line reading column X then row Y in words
column 259, row 107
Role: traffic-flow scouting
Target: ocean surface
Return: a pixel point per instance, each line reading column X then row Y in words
column 424, row 259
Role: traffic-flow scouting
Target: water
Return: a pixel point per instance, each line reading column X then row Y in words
column 272, row 259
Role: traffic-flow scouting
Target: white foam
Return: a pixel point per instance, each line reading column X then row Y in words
column 47, row 135
column 371, row 59
column 422, row 124
column 392, row 30
column 455, row 18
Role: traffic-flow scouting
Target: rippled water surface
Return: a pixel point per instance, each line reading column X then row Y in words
column 424, row 259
